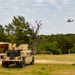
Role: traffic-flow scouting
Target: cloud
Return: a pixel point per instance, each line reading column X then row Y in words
column 66, row 2
column 27, row 9
column 39, row 1
column 60, row 7
column 14, row 1
column 53, row 1
column 46, row 9
column 53, row 13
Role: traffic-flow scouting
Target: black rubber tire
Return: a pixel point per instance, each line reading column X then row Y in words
column 2, row 64
column 17, row 64
column 22, row 64
column 32, row 61
column 5, row 64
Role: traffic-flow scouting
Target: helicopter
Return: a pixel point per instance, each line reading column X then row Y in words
column 70, row 20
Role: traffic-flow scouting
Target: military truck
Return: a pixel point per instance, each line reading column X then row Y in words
column 10, row 54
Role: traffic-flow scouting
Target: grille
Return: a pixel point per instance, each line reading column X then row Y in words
column 13, row 53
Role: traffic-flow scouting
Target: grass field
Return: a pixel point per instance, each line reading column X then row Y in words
column 40, row 69
column 43, row 69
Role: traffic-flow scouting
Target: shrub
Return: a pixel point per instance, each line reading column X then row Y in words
column 49, row 48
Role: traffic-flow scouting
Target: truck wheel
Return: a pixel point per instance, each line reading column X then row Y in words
column 22, row 64
column 5, row 64
column 32, row 62
column 2, row 64
column 17, row 64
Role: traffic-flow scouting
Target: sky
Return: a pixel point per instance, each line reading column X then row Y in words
column 53, row 13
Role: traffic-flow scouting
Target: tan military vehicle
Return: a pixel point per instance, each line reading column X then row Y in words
column 10, row 54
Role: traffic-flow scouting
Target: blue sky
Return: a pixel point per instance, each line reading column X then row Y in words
column 53, row 13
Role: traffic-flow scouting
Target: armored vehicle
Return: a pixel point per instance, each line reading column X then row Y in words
column 16, row 55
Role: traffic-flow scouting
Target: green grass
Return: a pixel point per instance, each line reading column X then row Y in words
column 44, row 69
column 64, row 58
column 40, row 69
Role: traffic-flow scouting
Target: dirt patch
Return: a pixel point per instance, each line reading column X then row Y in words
column 52, row 62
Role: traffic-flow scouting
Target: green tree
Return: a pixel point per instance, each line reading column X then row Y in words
column 2, row 35
column 22, row 32
column 19, row 28
column 65, row 44
column 9, row 32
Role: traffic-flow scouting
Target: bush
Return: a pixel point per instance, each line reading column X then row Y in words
column 42, row 52
column 57, row 51
column 49, row 48
column 72, row 50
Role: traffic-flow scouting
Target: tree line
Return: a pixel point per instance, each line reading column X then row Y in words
column 19, row 31
column 57, row 44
